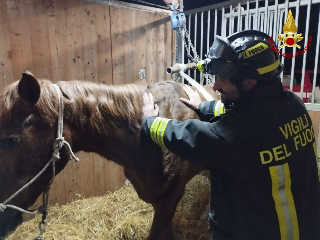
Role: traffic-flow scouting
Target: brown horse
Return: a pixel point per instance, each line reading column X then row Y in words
column 97, row 118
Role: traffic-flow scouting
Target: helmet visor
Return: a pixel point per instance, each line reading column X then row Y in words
column 221, row 68
column 222, row 50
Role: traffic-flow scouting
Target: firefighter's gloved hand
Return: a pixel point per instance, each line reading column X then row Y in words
column 149, row 109
column 194, row 98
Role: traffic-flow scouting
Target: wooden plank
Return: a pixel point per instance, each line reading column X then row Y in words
column 133, row 6
column 169, row 48
column 51, row 22
column 18, row 16
column 45, row 53
column 140, row 43
column 89, row 40
column 129, row 17
column 41, row 57
column 74, row 40
column 35, row 40
column 155, row 48
column 6, row 67
column 103, row 43
column 99, row 166
column 150, row 52
column 161, row 49
column 173, row 46
column 84, row 179
column 117, row 45
column 114, row 177
column 59, row 44
column 315, row 117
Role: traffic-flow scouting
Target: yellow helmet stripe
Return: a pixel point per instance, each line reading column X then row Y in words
column 269, row 68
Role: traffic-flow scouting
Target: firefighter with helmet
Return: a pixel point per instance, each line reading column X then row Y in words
column 262, row 154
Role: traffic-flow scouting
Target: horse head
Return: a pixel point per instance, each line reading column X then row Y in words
column 27, row 132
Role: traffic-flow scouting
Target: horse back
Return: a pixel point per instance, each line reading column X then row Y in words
column 167, row 96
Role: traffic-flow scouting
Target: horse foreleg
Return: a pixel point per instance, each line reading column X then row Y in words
column 165, row 209
column 162, row 225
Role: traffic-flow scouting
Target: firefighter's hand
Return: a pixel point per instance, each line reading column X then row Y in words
column 194, row 98
column 149, row 109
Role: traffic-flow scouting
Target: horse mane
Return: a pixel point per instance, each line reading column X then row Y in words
column 93, row 103
column 104, row 107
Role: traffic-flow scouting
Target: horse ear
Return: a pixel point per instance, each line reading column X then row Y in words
column 29, row 88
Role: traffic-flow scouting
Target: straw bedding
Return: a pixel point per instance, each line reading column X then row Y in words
column 120, row 215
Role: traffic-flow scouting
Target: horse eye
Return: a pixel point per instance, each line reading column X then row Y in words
column 9, row 142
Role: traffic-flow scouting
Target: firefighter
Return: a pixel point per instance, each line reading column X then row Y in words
column 262, row 154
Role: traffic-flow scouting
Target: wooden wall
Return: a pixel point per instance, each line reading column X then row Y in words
column 315, row 117
column 74, row 39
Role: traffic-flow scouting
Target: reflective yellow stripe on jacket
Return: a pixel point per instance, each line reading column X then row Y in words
column 218, row 108
column 284, row 202
column 157, row 130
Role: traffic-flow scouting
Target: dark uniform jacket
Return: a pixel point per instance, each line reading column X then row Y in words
column 263, row 161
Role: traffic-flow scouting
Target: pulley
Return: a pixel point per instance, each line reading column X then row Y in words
column 177, row 20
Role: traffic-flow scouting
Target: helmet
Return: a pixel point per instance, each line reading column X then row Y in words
column 244, row 54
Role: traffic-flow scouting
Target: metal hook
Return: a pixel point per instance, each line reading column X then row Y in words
column 42, row 224
column 42, row 228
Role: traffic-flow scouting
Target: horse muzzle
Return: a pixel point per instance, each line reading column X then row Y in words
column 9, row 221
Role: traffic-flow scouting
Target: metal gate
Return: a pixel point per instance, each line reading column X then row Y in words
column 302, row 72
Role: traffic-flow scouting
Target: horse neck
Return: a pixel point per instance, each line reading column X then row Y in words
column 101, row 118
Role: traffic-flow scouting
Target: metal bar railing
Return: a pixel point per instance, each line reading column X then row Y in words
column 215, row 22
column 256, row 20
column 195, row 38
column 201, row 47
column 294, row 49
column 223, row 26
column 239, row 18
column 189, row 30
column 305, row 43
column 315, row 71
column 247, row 17
column 230, row 21
column 208, row 31
column 275, row 32
column 282, row 16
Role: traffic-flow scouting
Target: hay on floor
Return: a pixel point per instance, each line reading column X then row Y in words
column 120, row 216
